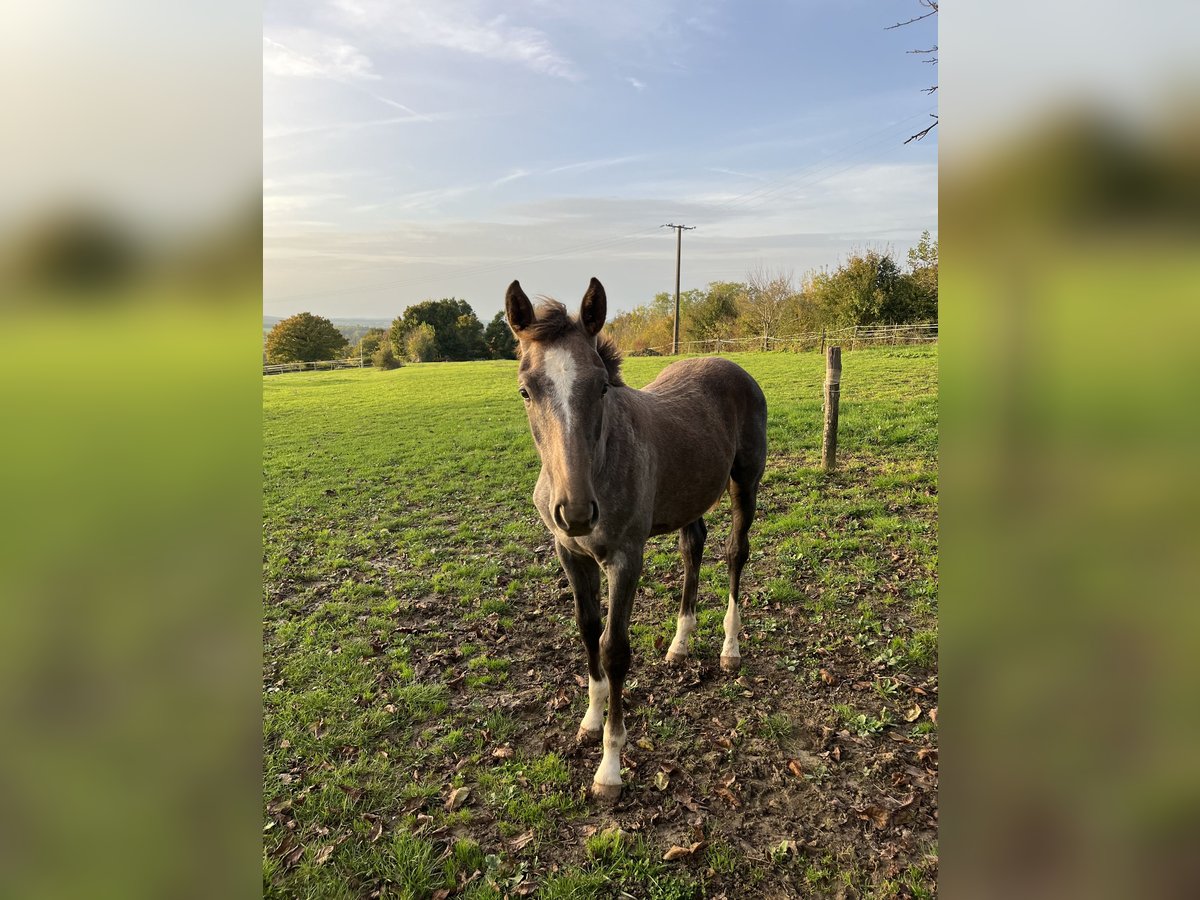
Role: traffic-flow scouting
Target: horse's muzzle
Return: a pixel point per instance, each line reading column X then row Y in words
column 576, row 520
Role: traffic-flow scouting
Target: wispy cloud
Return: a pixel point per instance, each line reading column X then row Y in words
column 512, row 176
column 309, row 54
column 329, row 58
column 455, row 26
column 736, row 173
column 590, row 164
column 638, row 85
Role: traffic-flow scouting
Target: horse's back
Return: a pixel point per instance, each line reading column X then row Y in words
column 722, row 389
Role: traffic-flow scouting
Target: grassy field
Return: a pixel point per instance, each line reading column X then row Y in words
column 423, row 677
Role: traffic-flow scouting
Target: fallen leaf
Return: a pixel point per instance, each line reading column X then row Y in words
column 323, row 854
column 828, row 677
column 876, row 815
column 645, row 743
column 440, row 894
column 729, row 796
column 662, row 780
column 285, row 744
column 724, row 743
column 676, row 853
column 458, row 796
column 933, row 715
column 913, row 714
column 926, row 752
column 502, row 752
column 376, row 832
column 519, row 842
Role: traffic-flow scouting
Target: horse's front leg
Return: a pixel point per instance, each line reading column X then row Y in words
column 623, row 571
column 584, row 576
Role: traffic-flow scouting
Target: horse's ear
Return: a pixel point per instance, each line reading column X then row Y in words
column 594, row 309
column 518, row 308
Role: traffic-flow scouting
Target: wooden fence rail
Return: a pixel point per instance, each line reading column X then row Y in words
column 280, row 368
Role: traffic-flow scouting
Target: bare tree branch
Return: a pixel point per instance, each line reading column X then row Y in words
column 930, row 4
column 924, row 131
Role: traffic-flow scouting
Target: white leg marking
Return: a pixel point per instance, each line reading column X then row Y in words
column 733, row 624
column 683, row 632
column 593, row 719
column 559, row 366
column 609, row 772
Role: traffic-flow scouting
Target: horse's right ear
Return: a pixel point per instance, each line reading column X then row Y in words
column 518, row 308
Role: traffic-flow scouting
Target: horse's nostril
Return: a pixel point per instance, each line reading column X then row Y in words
column 595, row 513
column 559, row 518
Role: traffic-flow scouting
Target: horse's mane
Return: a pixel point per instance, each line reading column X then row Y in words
column 552, row 321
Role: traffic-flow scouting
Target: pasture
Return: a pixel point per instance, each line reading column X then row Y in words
column 423, row 677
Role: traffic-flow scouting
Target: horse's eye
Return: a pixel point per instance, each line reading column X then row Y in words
column 524, row 393
column 604, row 390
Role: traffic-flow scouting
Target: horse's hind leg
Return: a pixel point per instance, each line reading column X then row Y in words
column 744, row 494
column 691, row 546
column 584, row 575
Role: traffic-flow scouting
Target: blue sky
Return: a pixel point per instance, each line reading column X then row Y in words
column 431, row 149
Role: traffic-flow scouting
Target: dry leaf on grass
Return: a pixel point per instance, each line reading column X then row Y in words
column 519, row 842
column 323, row 854
column 678, row 852
column 913, row 714
column 458, row 796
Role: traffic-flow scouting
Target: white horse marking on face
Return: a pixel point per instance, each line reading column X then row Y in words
column 558, row 365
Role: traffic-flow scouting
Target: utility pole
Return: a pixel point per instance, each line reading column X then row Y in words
column 679, row 230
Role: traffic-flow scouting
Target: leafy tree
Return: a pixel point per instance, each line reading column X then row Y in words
column 866, row 289
column 498, row 337
column 458, row 333
column 923, row 277
column 304, row 338
column 370, row 342
column 715, row 314
column 420, row 344
column 385, row 358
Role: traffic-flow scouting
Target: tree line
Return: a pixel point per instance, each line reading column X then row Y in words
column 445, row 329
column 868, row 288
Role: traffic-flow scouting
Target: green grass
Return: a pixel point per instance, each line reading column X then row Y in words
column 406, row 573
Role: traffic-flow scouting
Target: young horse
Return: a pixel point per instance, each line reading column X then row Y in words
column 620, row 465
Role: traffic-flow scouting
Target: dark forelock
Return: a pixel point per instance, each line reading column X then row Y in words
column 552, row 321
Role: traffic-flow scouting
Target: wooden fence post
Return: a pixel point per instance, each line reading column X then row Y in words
column 833, row 393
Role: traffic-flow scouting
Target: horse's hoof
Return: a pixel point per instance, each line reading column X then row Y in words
column 676, row 659
column 606, row 793
column 731, row 663
column 588, row 738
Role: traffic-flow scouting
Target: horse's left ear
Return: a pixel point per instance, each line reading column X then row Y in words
column 594, row 309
